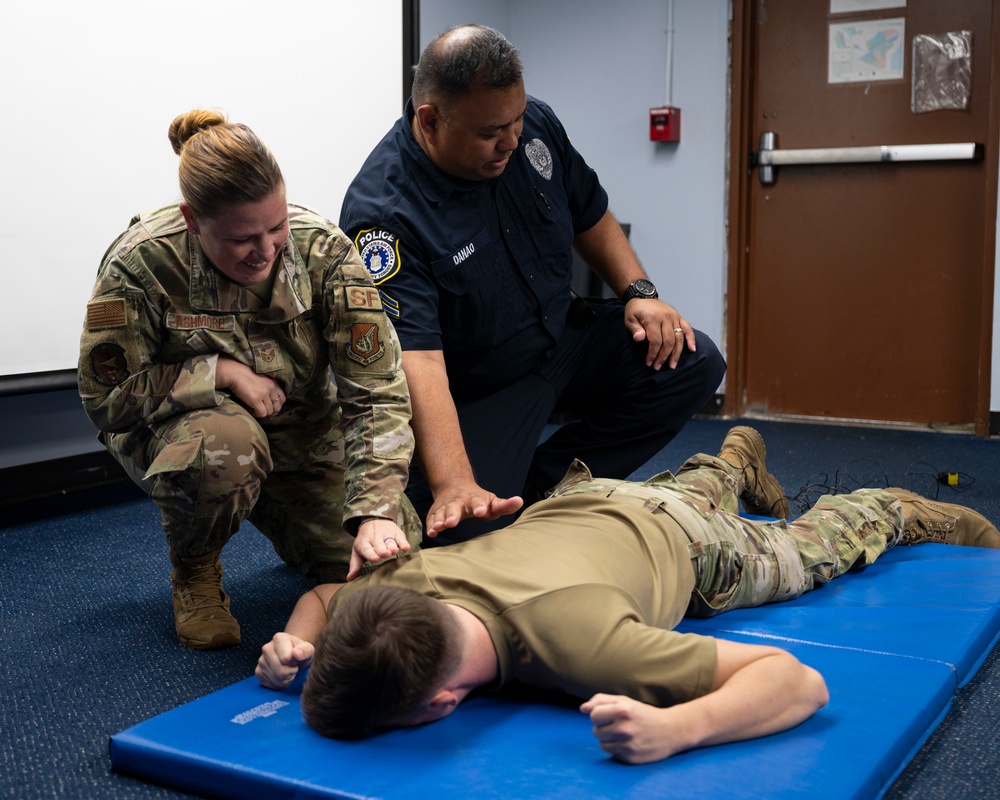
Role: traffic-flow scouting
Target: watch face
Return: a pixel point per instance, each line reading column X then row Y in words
column 645, row 288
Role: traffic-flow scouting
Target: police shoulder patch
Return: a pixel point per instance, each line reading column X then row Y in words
column 379, row 250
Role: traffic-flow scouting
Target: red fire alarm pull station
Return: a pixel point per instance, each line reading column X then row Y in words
column 665, row 124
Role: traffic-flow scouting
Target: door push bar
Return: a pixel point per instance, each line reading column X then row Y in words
column 769, row 156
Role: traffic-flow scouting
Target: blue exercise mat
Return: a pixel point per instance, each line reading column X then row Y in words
column 930, row 601
column 893, row 642
column 246, row 742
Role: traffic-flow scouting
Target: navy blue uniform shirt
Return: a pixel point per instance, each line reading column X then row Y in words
column 478, row 269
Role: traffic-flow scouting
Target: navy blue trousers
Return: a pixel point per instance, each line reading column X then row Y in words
column 623, row 413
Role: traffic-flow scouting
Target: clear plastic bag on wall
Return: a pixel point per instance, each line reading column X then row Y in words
column 942, row 71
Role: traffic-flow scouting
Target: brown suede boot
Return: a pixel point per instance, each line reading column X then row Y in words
column 761, row 493
column 945, row 523
column 201, row 605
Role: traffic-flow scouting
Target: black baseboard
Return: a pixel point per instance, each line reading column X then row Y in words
column 995, row 423
column 714, row 407
column 47, row 479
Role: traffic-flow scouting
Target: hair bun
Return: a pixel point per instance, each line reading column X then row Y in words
column 187, row 125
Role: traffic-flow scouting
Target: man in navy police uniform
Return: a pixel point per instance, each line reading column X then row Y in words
column 466, row 215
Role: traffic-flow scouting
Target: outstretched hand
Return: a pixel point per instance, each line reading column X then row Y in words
column 467, row 501
column 281, row 659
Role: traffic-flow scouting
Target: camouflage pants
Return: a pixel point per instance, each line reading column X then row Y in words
column 211, row 469
column 740, row 562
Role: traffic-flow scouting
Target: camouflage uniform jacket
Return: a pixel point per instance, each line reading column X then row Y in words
column 161, row 316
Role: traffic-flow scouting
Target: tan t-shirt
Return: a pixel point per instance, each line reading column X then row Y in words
column 579, row 594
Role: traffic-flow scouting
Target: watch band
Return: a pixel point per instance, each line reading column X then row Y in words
column 641, row 288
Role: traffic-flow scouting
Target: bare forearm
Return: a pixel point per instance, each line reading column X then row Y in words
column 436, row 429
column 441, row 449
column 769, row 695
column 309, row 616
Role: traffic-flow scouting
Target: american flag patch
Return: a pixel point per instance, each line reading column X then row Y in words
column 106, row 313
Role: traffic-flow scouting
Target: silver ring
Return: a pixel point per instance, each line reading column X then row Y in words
column 274, row 399
column 390, row 539
column 678, row 330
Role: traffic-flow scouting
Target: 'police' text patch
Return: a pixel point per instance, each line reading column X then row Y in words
column 379, row 249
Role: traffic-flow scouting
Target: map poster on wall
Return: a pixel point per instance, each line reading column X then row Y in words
column 870, row 50
column 849, row 6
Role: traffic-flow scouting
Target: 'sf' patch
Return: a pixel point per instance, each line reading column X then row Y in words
column 363, row 297
column 365, row 346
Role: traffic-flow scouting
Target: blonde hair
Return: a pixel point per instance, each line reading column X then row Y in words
column 221, row 162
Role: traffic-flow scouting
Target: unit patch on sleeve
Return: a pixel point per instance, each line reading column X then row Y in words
column 379, row 249
column 106, row 313
column 109, row 364
column 365, row 346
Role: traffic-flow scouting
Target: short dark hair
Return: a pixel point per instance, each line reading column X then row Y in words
column 462, row 57
column 384, row 652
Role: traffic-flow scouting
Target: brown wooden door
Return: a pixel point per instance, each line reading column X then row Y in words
column 861, row 291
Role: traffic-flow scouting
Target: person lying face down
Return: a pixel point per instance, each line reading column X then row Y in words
column 580, row 595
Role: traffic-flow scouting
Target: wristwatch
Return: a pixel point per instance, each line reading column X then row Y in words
column 641, row 288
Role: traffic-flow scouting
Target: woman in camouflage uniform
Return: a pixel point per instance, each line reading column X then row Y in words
column 206, row 363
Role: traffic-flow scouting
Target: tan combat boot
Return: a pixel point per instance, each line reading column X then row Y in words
column 201, row 605
column 945, row 523
column 761, row 493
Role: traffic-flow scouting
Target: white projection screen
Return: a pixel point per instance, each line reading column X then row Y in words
column 88, row 90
